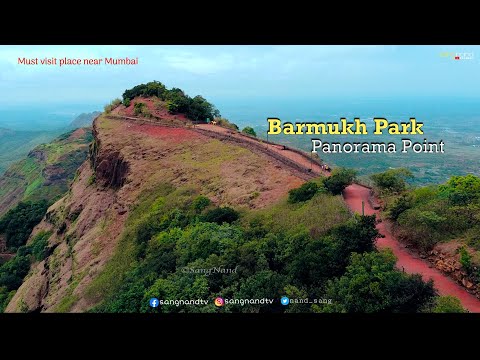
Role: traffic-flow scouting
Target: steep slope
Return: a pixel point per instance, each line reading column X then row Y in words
column 128, row 160
column 46, row 171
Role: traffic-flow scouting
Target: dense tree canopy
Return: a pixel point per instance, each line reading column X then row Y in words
column 17, row 223
column 392, row 180
column 14, row 270
column 339, row 180
column 249, row 131
column 196, row 108
column 424, row 216
column 303, row 193
column 372, row 284
column 262, row 262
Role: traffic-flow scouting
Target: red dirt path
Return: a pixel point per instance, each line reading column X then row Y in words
column 354, row 194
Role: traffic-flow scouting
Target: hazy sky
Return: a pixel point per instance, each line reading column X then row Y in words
column 229, row 72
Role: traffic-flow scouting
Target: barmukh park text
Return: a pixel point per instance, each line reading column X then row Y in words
column 357, row 127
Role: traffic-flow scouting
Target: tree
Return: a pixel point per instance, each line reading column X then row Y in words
column 138, row 108
column 357, row 235
column 372, row 284
column 200, row 203
column 226, row 123
column 263, row 284
column 401, row 204
column 13, row 271
column 465, row 259
column 249, row 131
column 303, row 193
column 461, row 190
column 221, row 215
column 422, row 227
column 392, row 180
column 18, row 223
column 448, row 304
column 339, row 180
column 176, row 101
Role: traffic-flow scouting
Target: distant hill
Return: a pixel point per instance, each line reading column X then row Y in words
column 15, row 144
column 84, row 119
column 46, row 171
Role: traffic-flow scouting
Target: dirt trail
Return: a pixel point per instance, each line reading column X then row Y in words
column 354, row 194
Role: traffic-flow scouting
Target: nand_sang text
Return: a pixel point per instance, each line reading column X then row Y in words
column 374, row 147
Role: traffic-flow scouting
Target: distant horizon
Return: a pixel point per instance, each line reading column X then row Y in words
column 221, row 72
column 254, row 110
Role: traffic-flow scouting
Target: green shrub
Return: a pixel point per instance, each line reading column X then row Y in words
column 91, row 179
column 14, row 270
column 465, row 259
column 112, row 105
column 249, row 131
column 226, row 124
column 18, row 223
column 220, row 215
column 303, row 193
column 138, row 108
column 448, row 304
column 371, row 284
column 339, row 180
column 399, row 206
column 422, row 228
column 461, row 190
column 392, row 180
column 200, row 203
column 39, row 245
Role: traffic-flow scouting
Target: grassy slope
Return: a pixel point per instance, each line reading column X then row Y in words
column 16, row 144
column 27, row 176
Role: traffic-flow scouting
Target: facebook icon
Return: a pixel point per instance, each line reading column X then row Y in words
column 154, row 302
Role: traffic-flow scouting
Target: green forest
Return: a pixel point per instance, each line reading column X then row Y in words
column 430, row 215
column 16, row 226
column 281, row 250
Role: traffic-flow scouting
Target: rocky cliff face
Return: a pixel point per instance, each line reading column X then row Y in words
column 127, row 159
column 85, row 225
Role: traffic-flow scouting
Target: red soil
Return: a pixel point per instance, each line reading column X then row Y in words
column 354, row 195
column 176, row 134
